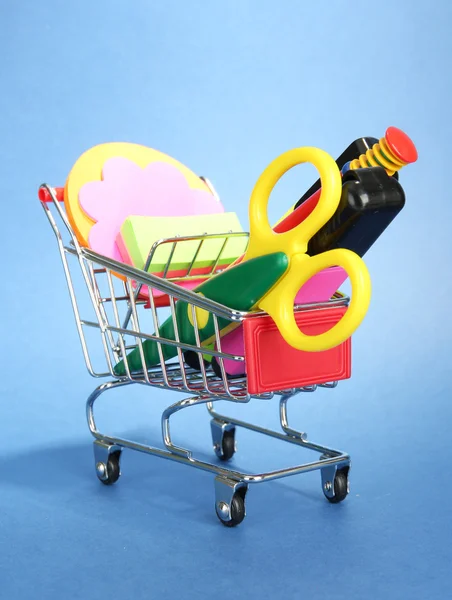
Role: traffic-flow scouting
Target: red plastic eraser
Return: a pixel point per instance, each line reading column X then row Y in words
column 271, row 364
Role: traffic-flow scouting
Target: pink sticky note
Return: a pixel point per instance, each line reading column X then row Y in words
column 322, row 286
column 159, row 189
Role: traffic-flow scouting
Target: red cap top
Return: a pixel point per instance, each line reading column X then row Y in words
column 401, row 145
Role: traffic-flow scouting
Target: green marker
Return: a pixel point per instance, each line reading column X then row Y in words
column 239, row 287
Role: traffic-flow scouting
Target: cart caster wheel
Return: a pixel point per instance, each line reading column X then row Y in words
column 192, row 360
column 236, row 510
column 340, row 487
column 223, row 437
column 227, row 448
column 108, row 472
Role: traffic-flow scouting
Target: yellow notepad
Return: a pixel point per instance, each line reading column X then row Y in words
column 138, row 234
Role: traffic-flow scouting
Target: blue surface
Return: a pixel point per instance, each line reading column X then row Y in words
column 225, row 87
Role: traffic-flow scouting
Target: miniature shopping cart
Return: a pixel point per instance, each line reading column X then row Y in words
column 125, row 307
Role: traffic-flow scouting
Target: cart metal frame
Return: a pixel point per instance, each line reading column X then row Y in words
column 118, row 309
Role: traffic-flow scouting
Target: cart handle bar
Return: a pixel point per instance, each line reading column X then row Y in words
column 45, row 196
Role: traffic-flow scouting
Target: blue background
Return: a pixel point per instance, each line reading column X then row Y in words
column 225, row 88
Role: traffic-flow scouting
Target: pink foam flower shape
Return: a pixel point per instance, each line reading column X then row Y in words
column 126, row 189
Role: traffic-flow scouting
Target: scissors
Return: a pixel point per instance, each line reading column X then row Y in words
column 278, row 265
column 278, row 302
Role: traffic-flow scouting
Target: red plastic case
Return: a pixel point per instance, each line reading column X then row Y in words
column 272, row 364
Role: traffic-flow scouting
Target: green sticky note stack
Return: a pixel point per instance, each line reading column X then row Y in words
column 138, row 234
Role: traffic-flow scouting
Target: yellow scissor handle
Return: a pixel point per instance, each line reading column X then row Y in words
column 263, row 240
column 279, row 302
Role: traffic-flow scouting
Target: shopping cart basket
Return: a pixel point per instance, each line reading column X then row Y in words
column 125, row 318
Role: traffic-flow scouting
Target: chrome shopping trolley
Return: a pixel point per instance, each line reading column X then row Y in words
column 126, row 307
